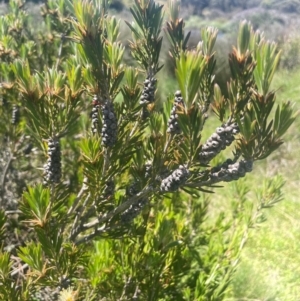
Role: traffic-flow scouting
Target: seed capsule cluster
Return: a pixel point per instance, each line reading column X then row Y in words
column 15, row 118
column 223, row 137
column 148, row 91
column 110, row 124
column 177, row 178
column 52, row 169
column 173, row 126
column 95, row 115
column 230, row 171
column 135, row 209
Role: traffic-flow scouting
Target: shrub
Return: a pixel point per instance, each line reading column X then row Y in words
column 108, row 183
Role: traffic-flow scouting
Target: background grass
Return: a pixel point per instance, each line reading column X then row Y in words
column 270, row 268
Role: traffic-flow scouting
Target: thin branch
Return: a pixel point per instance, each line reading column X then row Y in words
column 74, row 205
column 22, row 268
column 78, row 198
column 106, row 161
column 119, row 209
column 125, row 287
column 97, row 231
column 8, row 212
column 6, row 169
column 78, row 217
column 107, row 217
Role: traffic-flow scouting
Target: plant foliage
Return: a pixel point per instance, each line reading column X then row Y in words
column 111, row 188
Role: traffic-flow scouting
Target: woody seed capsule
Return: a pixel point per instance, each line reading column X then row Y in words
column 52, row 169
column 173, row 125
column 109, row 127
column 218, row 141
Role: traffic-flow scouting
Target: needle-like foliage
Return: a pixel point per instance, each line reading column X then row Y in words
column 100, row 187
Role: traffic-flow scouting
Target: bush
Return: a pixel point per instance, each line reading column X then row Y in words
column 289, row 6
column 103, row 191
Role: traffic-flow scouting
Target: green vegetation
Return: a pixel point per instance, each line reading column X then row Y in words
column 124, row 179
column 269, row 269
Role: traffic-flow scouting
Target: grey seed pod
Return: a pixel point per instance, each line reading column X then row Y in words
column 234, row 169
column 176, row 179
column 15, row 118
column 228, row 129
column 220, row 130
column 178, row 93
column 229, row 171
column 52, row 169
column 223, row 136
column 147, row 96
column 133, row 211
column 235, row 131
column 248, row 165
column 215, row 144
column 173, row 125
column 216, row 137
column 109, row 127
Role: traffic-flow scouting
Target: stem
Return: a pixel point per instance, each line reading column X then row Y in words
column 107, row 217
column 106, row 162
column 6, row 169
column 125, row 288
column 75, row 228
column 97, row 231
column 136, row 293
column 191, row 148
column 119, row 209
column 14, row 149
column 8, row 212
column 22, row 268
column 77, row 200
